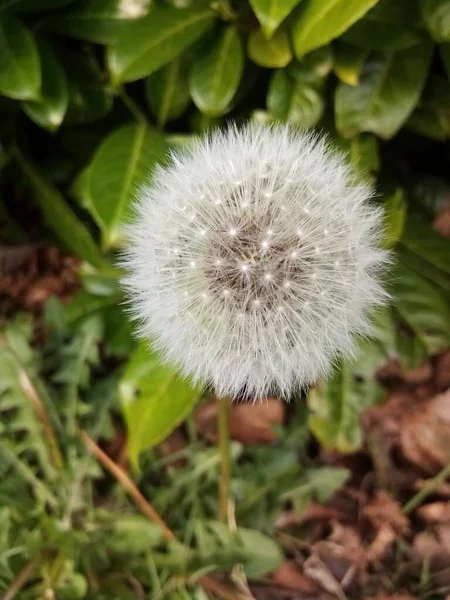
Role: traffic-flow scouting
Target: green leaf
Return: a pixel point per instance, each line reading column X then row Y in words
column 321, row 21
column 363, row 154
column 32, row 5
column 167, row 91
column 20, row 69
column 151, row 42
column 59, row 215
column 387, row 93
column 270, row 13
column 90, row 99
column 423, row 307
column 445, row 55
column 154, row 401
column 394, row 218
column 215, row 78
column 294, row 102
column 436, row 15
column 272, row 53
column 99, row 21
column 419, row 238
column 424, row 268
column 387, row 26
column 349, row 63
column 313, row 67
column 336, row 405
column 432, row 116
column 319, row 485
column 49, row 111
column 123, row 161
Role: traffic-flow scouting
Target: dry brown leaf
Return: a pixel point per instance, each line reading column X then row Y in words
column 394, row 597
column 289, row 575
column 313, row 512
column 249, row 423
column 384, row 510
column 425, row 432
column 441, row 223
column 394, row 370
column 442, row 371
column 436, row 512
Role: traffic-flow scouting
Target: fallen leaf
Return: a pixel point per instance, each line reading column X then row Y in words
column 441, row 223
column 384, row 510
column 442, row 371
column 250, row 423
column 394, row 370
column 289, row 575
column 436, row 512
column 313, row 512
column 424, row 434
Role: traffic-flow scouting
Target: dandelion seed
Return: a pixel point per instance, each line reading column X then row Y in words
column 250, row 337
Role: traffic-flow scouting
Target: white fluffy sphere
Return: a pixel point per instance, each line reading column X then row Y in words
column 254, row 260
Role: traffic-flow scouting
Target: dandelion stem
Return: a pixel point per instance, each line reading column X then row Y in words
column 224, row 451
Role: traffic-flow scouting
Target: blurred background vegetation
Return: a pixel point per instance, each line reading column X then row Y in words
column 95, row 93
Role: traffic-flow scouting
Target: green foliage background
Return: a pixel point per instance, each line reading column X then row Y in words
column 93, row 94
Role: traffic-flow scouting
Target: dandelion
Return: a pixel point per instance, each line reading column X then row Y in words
column 253, row 260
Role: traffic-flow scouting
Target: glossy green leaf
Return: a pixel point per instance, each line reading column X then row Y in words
column 270, row 13
column 424, row 268
column 32, row 5
column 432, row 115
column 313, row 67
column 215, row 78
column 389, row 88
column 394, row 218
column 147, row 44
column 49, row 111
column 436, row 16
column 271, row 53
column 99, row 21
column 423, row 307
column 20, row 69
column 294, row 102
column 445, row 55
column 167, row 91
column 59, row 216
column 154, row 401
column 349, row 63
column 423, row 241
column 387, row 26
column 90, row 97
column 321, row 21
column 122, row 162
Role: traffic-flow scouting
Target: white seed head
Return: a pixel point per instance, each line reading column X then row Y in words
column 282, row 279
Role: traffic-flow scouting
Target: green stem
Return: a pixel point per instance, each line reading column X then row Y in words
column 224, row 451
column 134, row 109
column 427, row 489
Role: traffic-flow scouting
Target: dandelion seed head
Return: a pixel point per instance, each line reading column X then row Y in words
column 264, row 299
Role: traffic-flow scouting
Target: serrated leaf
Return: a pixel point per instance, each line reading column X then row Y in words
column 436, row 16
column 123, row 161
column 59, row 216
column 270, row 13
column 294, row 102
column 389, row 88
column 419, row 238
column 154, row 401
column 271, row 53
column 99, row 21
column 423, row 307
column 349, row 63
column 432, row 115
column 322, row 21
column 20, row 69
column 394, row 218
column 151, row 42
column 215, row 78
column 388, row 26
column 49, row 111
column 167, row 91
